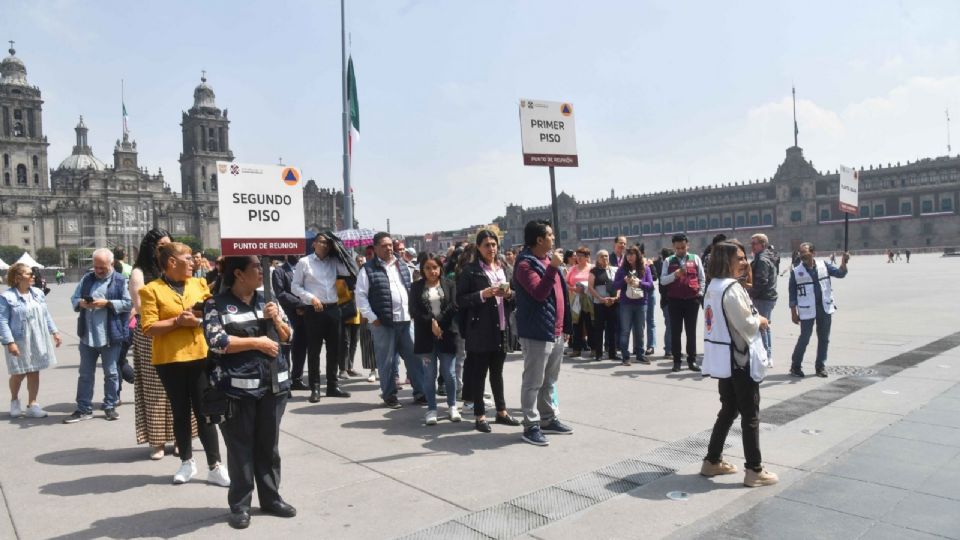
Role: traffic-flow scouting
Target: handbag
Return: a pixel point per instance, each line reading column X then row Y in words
column 634, row 293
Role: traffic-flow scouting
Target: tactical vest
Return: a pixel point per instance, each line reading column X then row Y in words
column 806, row 295
column 246, row 374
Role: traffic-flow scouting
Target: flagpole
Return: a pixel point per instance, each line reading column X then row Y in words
column 347, row 195
column 123, row 104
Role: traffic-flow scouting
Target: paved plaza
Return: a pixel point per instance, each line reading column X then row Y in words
column 873, row 451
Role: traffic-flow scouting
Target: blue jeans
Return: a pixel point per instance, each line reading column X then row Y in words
column 651, row 320
column 632, row 317
column 448, row 368
column 667, row 340
column 88, row 366
column 388, row 341
column 765, row 308
column 822, row 321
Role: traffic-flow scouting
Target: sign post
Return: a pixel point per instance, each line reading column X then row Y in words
column 549, row 139
column 849, row 194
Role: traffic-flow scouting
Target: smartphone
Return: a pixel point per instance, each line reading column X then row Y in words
column 198, row 306
column 87, row 299
column 504, row 286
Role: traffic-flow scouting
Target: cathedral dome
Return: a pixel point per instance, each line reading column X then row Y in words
column 82, row 157
column 12, row 70
column 203, row 95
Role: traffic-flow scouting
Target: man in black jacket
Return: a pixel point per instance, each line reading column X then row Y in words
column 296, row 353
column 764, row 289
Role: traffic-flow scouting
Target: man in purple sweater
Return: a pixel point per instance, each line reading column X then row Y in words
column 543, row 326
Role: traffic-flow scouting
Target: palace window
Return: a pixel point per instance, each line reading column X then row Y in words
column 36, row 179
column 795, row 216
column 36, row 162
column 864, row 211
column 691, row 225
column 635, row 230
column 926, row 206
column 6, row 161
column 668, row 227
column 606, row 232
column 21, row 175
column 646, row 228
column 906, row 208
column 727, row 222
column 879, row 210
column 741, row 221
column 6, row 179
column 754, row 220
column 768, row 219
column 714, row 223
column 946, row 205
column 824, row 214
column 656, row 228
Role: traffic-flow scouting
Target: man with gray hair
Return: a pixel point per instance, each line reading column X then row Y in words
column 763, row 292
column 103, row 301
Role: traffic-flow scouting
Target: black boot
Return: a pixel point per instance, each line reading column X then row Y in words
column 692, row 364
column 298, row 384
column 676, row 365
column 334, row 390
column 315, row 394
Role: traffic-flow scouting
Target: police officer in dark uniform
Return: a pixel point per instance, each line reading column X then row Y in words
column 242, row 332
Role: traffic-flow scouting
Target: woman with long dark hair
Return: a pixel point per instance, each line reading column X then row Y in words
column 634, row 281
column 734, row 355
column 433, row 309
column 484, row 294
column 154, row 418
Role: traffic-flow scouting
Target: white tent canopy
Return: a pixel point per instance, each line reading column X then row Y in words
column 3, row 265
column 28, row 260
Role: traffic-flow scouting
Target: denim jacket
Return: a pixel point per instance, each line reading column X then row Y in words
column 13, row 310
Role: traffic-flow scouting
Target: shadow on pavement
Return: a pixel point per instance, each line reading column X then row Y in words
column 166, row 523
column 333, row 407
column 97, row 485
column 689, row 483
column 93, row 456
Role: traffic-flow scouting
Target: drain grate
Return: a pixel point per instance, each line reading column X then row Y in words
column 852, row 371
column 503, row 521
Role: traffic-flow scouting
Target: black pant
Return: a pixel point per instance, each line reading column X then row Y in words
column 298, row 349
column 348, row 348
column 253, row 456
column 607, row 322
column 581, row 340
column 185, row 383
column 739, row 393
column 323, row 327
column 479, row 363
column 683, row 316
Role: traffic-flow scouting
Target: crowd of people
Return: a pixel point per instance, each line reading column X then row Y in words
column 212, row 347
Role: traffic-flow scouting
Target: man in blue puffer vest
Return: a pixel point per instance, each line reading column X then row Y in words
column 103, row 301
column 543, row 326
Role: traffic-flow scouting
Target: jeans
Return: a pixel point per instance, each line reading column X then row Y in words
column 683, row 317
column 446, row 363
column 822, row 321
column 667, row 335
column 651, row 320
column 739, row 393
column 88, row 365
column 541, row 369
column 632, row 317
column 765, row 308
column 348, row 348
column 388, row 341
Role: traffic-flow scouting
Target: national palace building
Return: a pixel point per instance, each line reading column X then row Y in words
column 902, row 205
column 86, row 203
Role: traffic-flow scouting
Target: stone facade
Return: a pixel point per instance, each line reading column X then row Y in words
column 910, row 205
column 84, row 203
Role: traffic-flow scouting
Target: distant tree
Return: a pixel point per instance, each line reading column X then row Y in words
column 211, row 254
column 190, row 241
column 10, row 254
column 48, row 256
column 79, row 257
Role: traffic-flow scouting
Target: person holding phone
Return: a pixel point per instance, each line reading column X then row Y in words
column 683, row 279
column 485, row 296
column 103, row 303
column 179, row 355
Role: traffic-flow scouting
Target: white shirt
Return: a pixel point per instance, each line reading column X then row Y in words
column 398, row 294
column 314, row 277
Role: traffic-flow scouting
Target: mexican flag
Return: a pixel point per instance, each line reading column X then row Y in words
column 126, row 129
column 353, row 106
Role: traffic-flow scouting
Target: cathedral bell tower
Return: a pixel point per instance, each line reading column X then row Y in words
column 206, row 140
column 23, row 147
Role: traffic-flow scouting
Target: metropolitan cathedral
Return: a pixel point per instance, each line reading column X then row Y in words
column 86, row 203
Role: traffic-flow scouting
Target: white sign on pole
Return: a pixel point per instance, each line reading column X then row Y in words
column 261, row 209
column 548, row 134
column 849, row 190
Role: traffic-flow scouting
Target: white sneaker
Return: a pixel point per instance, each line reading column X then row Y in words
column 431, row 418
column 34, row 411
column 187, row 470
column 15, row 410
column 454, row 414
column 372, row 377
column 218, row 475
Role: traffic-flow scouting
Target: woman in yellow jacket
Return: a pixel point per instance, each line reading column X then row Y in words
column 170, row 313
column 351, row 330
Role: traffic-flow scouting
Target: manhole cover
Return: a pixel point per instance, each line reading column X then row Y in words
column 812, row 431
column 944, row 366
column 678, row 496
column 851, row 371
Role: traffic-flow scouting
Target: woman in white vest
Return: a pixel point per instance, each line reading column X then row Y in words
column 734, row 354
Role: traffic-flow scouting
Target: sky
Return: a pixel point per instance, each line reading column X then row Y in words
column 666, row 94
